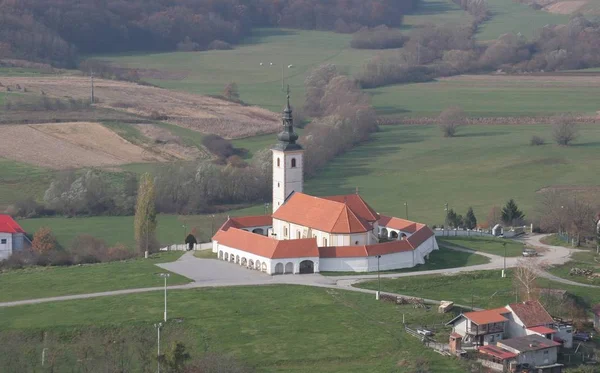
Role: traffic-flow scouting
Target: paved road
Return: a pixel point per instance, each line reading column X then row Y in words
column 216, row 273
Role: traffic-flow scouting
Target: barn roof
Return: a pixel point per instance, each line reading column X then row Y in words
column 9, row 225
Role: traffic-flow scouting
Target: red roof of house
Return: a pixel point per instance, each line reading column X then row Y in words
column 321, row 214
column 542, row 330
column 397, row 223
column 358, row 205
column 485, row 317
column 9, row 225
column 252, row 221
column 264, row 246
column 531, row 313
column 496, row 351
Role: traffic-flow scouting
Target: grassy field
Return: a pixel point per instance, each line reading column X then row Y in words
column 484, row 289
column 513, row 17
column 42, row 282
column 481, row 167
column 582, row 260
column 314, row 329
column 440, row 259
column 486, row 244
column 488, row 95
column 119, row 229
column 20, row 180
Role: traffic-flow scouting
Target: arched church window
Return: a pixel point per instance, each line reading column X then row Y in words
column 293, row 162
column 278, row 163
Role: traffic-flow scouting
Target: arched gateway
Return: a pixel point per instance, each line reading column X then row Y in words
column 307, row 266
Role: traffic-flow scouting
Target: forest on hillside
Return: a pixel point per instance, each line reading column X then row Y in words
column 58, row 31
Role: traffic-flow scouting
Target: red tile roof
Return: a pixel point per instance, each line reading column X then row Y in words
column 485, row 317
column 9, row 225
column 542, row 330
column 501, row 310
column 397, row 223
column 531, row 313
column 252, row 221
column 321, row 214
column 358, row 205
column 496, row 351
column 264, row 246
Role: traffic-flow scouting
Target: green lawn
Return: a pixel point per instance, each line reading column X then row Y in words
column 42, row 282
column 119, row 229
column 484, row 289
column 440, row 259
column 437, row 12
column 486, row 245
column 583, row 260
column 20, row 181
column 272, row 328
column 512, row 17
column 481, row 167
column 205, row 254
column 490, row 96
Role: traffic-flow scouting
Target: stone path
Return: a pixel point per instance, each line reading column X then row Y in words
column 216, row 273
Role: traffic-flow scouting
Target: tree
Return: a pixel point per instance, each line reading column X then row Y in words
column 470, row 219
column 525, row 277
column 454, row 220
column 44, row 241
column 190, row 240
column 145, row 214
column 564, row 129
column 231, row 92
column 450, row 119
column 511, row 214
column 174, row 359
column 494, row 216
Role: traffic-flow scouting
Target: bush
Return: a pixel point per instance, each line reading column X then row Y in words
column 381, row 37
column 219, row 146
column 27, row 208
column 450, row 119
column 536, row 140
column 564, row 129
column 231, row 92
column 219, row 45
column 44, row 241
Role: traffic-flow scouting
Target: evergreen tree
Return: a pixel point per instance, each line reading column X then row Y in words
column 145, row 214
column 511, row 214
column 470, row 219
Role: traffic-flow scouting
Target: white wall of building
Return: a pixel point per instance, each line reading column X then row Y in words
column 286, row 179
column 289, row 231
column 357, row 264
column 565, row 332
column 6, row 248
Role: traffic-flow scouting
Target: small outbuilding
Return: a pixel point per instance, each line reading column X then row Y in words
column 12, row 236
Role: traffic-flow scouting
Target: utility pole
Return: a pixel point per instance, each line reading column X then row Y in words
column 92, row 92
column 158, row 326
column 165, row 276
column 378, row 279
column 446, row 217
column 504, row 270
column 406, row 209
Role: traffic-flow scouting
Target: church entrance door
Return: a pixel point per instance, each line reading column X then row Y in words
column 307, row 266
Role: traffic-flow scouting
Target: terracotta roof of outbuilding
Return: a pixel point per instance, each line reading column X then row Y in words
column 496, row 351
column 9, row 225
column 321, row 214
column 358, row 205
column 532, row 342
column 485, row 317
column 542, row 330
column 265, row 246
column 397, row 223
column 531, row 313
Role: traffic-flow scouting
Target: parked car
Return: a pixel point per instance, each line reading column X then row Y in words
column 582, row 336
column 529, row 252
column 424, row 332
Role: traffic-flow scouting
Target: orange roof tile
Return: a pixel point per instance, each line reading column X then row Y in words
column 252, row 221
column 265, row 246
column 542, row 330
column 9, row 225
column 531, row 313
column 397, row 223
column 321, row 214
column 358, row 205
column 485, row 317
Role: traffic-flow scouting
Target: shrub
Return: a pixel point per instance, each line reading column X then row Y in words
column 450, row 119
column 219, row 45
column 381, row 37
column 44, row 241
column 88, row 249
column 536, row 140
column 155, row 115
column 564, row 129
column 231, row 92
column 219, row 146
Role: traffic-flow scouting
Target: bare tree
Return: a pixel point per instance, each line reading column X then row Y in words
column 450, row 119
column 525, row 277
column 564, row 129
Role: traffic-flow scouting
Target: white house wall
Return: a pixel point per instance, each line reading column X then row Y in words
column 359, row 264
column 6, row 249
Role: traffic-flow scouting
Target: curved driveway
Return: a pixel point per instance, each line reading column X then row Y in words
column 216, row 273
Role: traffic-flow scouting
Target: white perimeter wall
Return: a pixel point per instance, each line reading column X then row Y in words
column 6, row 249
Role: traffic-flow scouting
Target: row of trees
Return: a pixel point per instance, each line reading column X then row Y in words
column 509, row 215
column 56, row 31
column 434, row 51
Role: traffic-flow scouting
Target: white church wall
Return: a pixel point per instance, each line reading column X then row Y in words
column 286, row 179
column 344, row 264
column 392, row 261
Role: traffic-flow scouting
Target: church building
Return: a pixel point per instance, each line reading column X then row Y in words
column 308, row 234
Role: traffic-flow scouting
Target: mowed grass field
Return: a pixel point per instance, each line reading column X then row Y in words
column 19, row 181
column 481, row 167
column 486, row 244
column 42, row 282
column 271, row 328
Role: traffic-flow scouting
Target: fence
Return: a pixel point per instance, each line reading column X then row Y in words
column 184, row 247
column 461, row 233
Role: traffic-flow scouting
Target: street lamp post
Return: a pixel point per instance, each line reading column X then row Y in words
column 165, row 276
column 212, row 225
column 504, row 270
column 406, row 209
column 378, row 279
column 184, row 231
column 158, row 326
column 445, row 218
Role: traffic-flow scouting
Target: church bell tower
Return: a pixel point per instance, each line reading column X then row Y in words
column 288, row 160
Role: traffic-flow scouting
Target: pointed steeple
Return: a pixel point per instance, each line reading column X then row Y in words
column 287, row 138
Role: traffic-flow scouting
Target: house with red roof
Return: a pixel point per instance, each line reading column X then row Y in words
column 12, row 236
column 307, row 234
